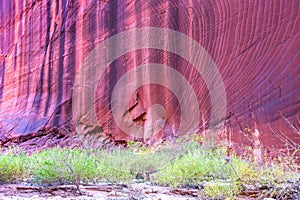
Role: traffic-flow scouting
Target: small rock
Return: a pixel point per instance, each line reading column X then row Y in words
column 249, row 187
column 116, row 194
column 99, row 196
column 149, row 191
column 35, row 197
column 57, row 198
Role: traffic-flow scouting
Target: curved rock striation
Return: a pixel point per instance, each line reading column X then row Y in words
column 254, row 44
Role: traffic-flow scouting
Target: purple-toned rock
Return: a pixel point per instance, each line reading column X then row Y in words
column 254, row 46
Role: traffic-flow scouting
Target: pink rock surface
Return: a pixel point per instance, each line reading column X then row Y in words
column 254, row 44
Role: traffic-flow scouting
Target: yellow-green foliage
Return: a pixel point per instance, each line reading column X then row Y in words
column 13, row 167
column 176, row 165
column 221, row 190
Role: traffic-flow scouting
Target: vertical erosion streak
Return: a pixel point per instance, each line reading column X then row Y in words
column 70, row 68
column 60, row 72
column 172, row 21
column 29, row 59
column 39, row 88
column 2, row 75
column 112, row 29
column 2, row 66
column 50, row 72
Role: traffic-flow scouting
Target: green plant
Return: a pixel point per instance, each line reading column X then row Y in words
column 63, row 166
column 197, row 164
column 180, row 164
column 221, row 190
column 13, row 167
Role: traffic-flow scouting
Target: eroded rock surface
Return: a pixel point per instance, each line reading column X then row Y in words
column 254, row 44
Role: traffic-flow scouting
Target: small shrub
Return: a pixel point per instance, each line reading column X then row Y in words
column 221, row 190
column 13, row 167
column 57, row 166
column 196, row 165
column 114, row 166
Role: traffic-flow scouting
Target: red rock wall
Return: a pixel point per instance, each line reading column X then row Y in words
column 254, row 44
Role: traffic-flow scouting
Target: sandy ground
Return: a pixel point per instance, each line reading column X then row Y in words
column 137, row 191
column 92, row 192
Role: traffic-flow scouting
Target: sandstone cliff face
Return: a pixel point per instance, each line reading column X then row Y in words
column 254, row 44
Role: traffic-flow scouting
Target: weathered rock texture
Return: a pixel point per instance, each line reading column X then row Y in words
column 255, row 45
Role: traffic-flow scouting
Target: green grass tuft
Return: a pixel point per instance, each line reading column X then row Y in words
column 176, row 165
